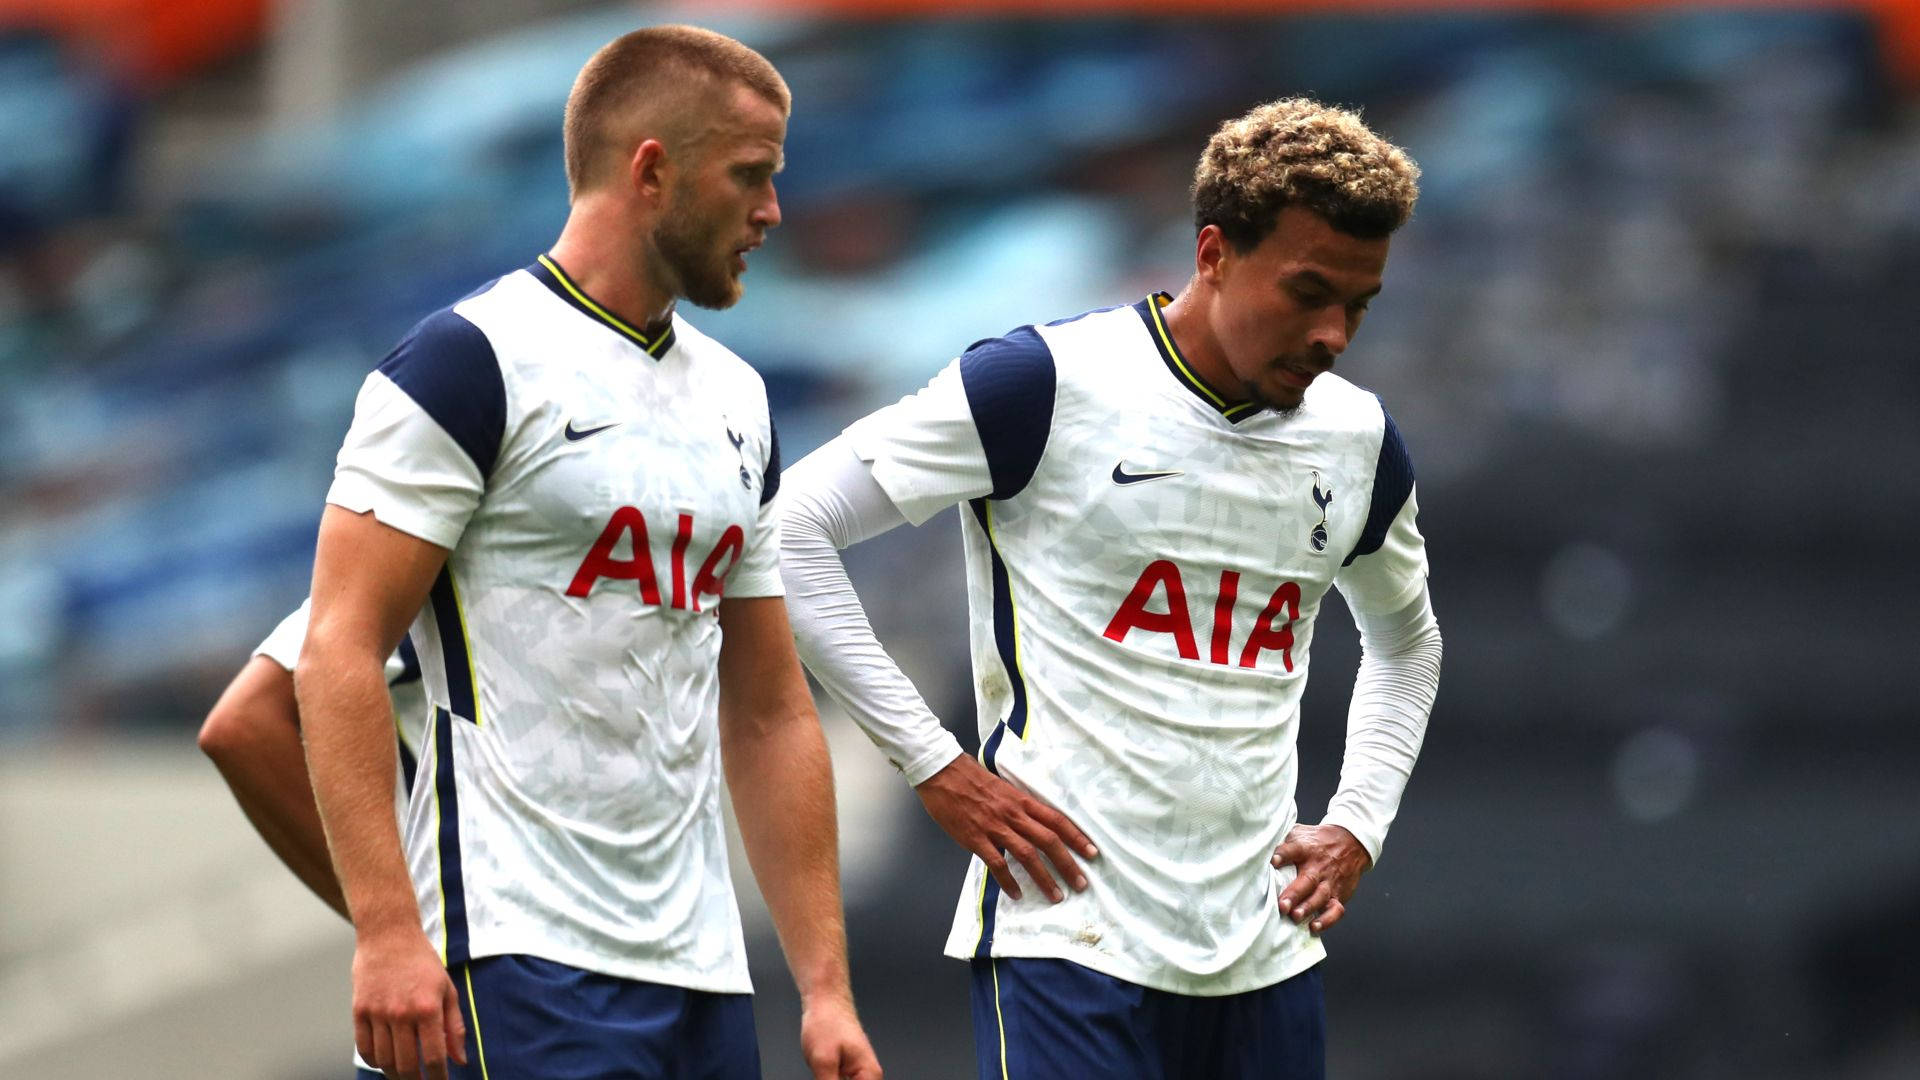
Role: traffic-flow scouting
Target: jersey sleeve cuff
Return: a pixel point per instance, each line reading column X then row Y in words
column 939, row 756
column 746, row 586
column 1370, row 837
column 359, row 493
column 905, row 487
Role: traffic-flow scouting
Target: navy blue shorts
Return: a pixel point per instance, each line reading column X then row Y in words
column 533, row 1019
column 1036, row 1019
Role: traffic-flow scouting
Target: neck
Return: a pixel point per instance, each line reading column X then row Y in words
column 596, row 250
column 1187, row 319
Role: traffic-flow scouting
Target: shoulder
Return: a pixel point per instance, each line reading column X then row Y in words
column 718, row 363
column 1359, row 414
column 1345, row 406
column 451, row 370
column 1014, row 368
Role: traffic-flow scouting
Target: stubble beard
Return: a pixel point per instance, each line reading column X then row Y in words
column 706, row 279
column 1261, row 401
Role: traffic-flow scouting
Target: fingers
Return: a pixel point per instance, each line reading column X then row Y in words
column 363, row 1040
column 1309, row 899
column 382, row 1057
column 406, row 1051
column 1288, row 853
column 1333, row 912
column 455, row 1026
column 1002, row 873
column 857, row 1062
column 1055, row 835
column 1056, row 851
column 1061, row 825
column 1029, row 857
column 433, row 1049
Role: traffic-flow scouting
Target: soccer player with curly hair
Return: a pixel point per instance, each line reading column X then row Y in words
column 1156, row 499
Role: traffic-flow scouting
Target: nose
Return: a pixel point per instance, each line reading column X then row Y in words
column 767, row 214
column 1329, row 335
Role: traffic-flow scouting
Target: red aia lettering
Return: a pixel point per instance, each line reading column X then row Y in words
column 711, row 580
column 1223, row 614
column 1133, row 614
column 1264, row 635
column 628, row 522
column 600, row 562
column 1178, row 621
column 680, row 541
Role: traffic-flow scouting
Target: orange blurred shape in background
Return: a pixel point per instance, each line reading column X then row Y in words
column 149, row 42
column 156, row 41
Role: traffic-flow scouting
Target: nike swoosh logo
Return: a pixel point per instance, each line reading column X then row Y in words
column 1122, row 476
column 576, row 436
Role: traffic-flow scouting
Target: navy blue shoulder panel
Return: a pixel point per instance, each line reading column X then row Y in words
column 1010, row 384
column 448, row 367
column 770, row 478
column 1392, row 483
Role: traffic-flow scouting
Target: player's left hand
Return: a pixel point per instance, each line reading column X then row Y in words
column 1330, row 863
column 834, row 1044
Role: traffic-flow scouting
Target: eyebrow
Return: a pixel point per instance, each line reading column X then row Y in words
column 1319, row 281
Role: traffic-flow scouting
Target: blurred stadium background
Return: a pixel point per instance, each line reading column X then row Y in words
column 1651, row 337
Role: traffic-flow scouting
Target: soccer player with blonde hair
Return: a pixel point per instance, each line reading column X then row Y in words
column 1156, row 499
column 565, row 489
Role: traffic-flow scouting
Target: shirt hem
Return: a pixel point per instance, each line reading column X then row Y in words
column 738, row 983
column 1290, row 964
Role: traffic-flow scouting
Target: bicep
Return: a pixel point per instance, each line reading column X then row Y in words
column 369, row 581
column 759, row 671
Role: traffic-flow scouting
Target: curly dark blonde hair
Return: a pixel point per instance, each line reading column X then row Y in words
column 1298, row 152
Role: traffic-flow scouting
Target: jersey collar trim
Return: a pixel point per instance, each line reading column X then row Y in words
column 1149, row 309
column 654, row 342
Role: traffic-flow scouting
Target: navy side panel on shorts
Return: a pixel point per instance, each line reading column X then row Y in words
column 1042, row 1019
column 533, row 1018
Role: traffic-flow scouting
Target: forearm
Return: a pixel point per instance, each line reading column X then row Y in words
column 782, row 785
column 1387, row 722
column 252, row 735
column 830, row 501
column 347, row 729
column 283, row 813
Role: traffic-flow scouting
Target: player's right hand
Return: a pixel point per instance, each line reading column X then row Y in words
column 406, row 1013
column 834, row 1044
column 994, row 820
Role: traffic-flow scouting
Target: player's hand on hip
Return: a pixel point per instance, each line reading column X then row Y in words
column 834, row 1044
column 406, row 1013
column 1330, row 863
column 995, row 820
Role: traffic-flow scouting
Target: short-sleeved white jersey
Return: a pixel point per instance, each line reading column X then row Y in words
column 1144, row 564
column 282, row 646
column 600, row 487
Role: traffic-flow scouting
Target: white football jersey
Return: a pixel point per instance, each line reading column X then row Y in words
column 282, row 646
column 600, row 489
column 1144, row 564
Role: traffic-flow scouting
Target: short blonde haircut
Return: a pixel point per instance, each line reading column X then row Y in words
column 1298, row 152
column 659, row 78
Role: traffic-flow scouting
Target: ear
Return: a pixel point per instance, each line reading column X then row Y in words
column 1209, row 252
column 649, row 171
